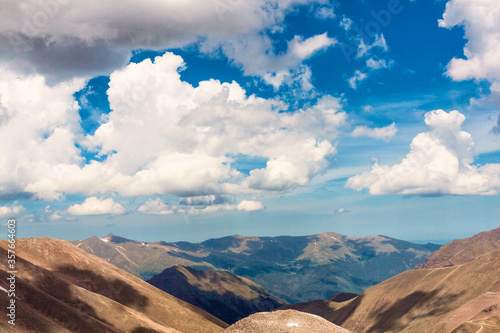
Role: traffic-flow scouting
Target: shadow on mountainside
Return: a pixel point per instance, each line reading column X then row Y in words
column 46, row 298
column 340, row 317
column 424, row 304
column 225, row 304
column 144, row 330
column 47, row 301
column 115, row 289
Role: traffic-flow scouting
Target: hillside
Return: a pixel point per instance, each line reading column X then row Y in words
column 227, row 296
column 296, row 269
column 282, row 321
column 461, row 251
column 462, row 298
column 60, row 288
column 139, row 258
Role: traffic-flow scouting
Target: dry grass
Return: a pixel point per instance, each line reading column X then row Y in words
column 62, row 288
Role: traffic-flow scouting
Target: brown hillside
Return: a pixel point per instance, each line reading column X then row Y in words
column 463, row 298
column 283, row 321
column 225, row 295
column 60, row 288
column 461, row 251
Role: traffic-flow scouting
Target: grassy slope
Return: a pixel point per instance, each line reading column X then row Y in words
column 424, row 300
column 60, row 286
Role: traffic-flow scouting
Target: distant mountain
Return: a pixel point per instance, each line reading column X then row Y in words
column 227, row 296
column 460, row 298
column 139, row 258
column 60, row 288
column 283, row 321
column 461, row 251
column 293, row 268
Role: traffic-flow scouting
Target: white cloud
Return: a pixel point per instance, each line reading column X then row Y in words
column 325, row 13
column 481, row 20
column 255, row 55
column 356, row 78
column 303, row 49
column 368, row 109
column 158, row 207
column 204, row 200
column 66, row 38
column 379, row 44
column 381, row 133
column 250, row 206
column 163, row 136
column 11, row 211
column 371, row 52
column 155, row 207
column 440, row 162
column 38, row 131
column 346, row 23
column 56, row 216
column 376, row 64
column 96, row 206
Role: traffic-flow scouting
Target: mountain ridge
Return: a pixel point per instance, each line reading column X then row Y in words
column 460, row 251
column 60, row 288
column 294, row 268
column 223, row 294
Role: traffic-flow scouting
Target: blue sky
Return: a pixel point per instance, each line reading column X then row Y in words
column 191, row 121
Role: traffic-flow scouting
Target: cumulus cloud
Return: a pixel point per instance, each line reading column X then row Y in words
column 481, row 21
column 12, row 210
column 204, row 200
column 250, row 205
column 440, row 162
column 159, row 207
column 155, row 207
column 96, row 206
column 163, row 136
column 381, row 133
column 66, row 38
column 37, row 133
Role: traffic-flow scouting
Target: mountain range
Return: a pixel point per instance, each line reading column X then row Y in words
column 294, row 268
column 462, row 297
column 61, row 288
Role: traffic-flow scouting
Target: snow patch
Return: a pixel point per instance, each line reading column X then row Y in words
column 292, row 325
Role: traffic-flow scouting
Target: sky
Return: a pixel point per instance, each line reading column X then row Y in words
column 189, row 120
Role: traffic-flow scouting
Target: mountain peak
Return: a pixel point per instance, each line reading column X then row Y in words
column 110, row 238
